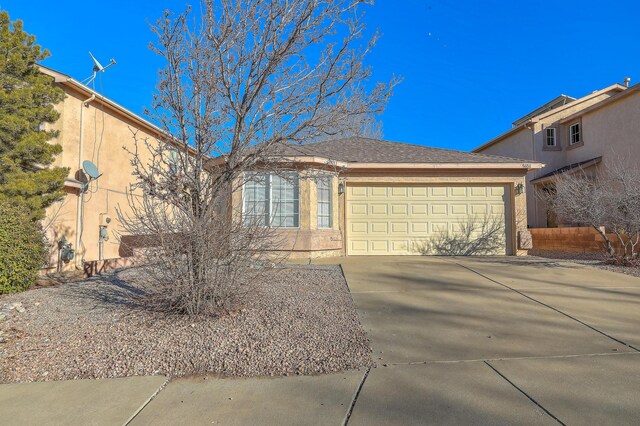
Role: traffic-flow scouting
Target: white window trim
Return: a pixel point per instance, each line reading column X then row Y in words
column 579, row 133
column 329, row 178
column 270, row 207
column 555, row 137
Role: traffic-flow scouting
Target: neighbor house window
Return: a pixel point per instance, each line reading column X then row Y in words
column 575, row 135
column 551, row 136
column 173, row 161
column 324, row 201
column 272, row 200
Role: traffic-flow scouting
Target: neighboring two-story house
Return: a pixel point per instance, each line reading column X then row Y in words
column 569, row 135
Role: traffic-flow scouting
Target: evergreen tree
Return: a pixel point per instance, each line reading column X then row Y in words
column 27, row 99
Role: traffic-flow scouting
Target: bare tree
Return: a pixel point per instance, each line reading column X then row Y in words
column 243, row 78
column 608, row 201
column 475, row 235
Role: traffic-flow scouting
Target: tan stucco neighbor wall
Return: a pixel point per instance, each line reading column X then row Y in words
column 105, row 132
column 609, row 129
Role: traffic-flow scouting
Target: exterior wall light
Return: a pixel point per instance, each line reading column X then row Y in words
column 519, row 189
column 341, row 188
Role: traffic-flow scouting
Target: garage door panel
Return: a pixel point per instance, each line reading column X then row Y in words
column 399, row 228
column 418, row 191
column 379, row 209
column 356, row 228
column 459, row 209
column 379, row 228
column 399, row 246
column 439, row 209
column 419, row 228
column 479, row 209
column 397, row 219
column 399, row 209
column 419, row 209
column 458, row 192
column 358, row 209
column 438, row 191
column 377, row 191
column 379, row 246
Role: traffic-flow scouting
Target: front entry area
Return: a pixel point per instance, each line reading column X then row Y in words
column 390, row 219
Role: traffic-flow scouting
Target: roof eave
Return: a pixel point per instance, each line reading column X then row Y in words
column 458, row 165
column 546, row 179
column 64, row 79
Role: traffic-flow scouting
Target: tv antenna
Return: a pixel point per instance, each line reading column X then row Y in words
column 97, row 67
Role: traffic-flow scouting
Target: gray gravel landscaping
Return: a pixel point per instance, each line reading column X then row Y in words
column 595, row 260
column 302, row 321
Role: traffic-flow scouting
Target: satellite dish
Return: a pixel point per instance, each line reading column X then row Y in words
column 97, row 67
column 91, row 170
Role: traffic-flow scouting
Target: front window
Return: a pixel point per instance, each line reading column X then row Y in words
column 575, row 134
column 324, row 201
column 551, row 136
column 272, row 200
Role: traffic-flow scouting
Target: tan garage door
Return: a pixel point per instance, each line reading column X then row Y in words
column 393, row 220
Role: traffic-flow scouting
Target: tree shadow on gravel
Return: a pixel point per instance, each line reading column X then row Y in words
column 108, row 291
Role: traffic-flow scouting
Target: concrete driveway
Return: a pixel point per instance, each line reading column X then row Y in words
column 456, row 341
column 496, row 341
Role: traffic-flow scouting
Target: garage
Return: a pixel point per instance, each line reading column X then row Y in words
column 396, row 219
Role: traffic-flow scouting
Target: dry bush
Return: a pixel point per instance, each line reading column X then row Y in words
column 608, row 201
column 242, row 79
column 475, row 236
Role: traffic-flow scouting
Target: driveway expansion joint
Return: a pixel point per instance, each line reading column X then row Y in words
column 144, row 404
column 347, row 416
column 529, row 397
column 550, row 307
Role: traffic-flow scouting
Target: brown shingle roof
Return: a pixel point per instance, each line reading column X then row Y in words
column 365, row 150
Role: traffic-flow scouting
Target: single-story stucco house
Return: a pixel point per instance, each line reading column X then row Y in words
column 383, row 198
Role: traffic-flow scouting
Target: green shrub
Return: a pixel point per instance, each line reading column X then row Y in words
column 22, row 249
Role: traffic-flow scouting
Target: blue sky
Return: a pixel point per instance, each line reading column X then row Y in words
column 470, row 68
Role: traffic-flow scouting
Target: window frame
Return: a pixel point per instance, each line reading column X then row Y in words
column 269, row 217
column 546, row 137
column 578, row 133
column 329, row 201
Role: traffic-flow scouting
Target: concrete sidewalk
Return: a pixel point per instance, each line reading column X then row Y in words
column 77, row 402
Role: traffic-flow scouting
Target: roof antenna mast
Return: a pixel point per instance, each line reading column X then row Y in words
column 97, row 67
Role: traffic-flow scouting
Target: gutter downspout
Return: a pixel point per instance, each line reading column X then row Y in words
column 531, row 126
column 80, row 201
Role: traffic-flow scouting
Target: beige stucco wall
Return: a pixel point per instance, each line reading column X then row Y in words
column 105, row 132
column 529, row 143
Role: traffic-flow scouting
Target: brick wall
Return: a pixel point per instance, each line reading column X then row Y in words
column 579, row 240
column 572, row 240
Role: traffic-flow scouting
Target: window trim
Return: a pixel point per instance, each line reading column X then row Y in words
column 580, row 141
column 269, row 206
column 546, row 137
column 329, row 201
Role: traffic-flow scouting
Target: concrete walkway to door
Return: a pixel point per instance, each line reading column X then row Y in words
column 496, row 341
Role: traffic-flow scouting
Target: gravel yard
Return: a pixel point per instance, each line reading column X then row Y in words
column 595, row 260
column 302, row 321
